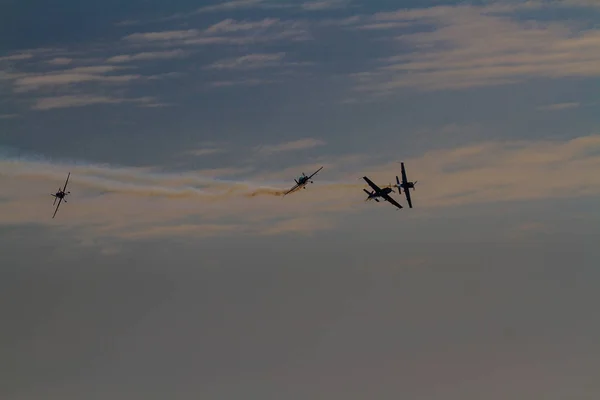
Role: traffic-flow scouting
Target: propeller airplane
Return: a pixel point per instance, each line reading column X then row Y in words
column 378, row 192
column 60, row 195
column 302, row 181
column 406, row 185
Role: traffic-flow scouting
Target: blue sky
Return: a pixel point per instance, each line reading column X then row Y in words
column 181, row 123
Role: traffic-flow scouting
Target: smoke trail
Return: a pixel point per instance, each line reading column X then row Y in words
column 138, row 181
column 265, row 192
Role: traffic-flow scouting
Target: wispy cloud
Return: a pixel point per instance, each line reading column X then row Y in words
column 230, row 25
column 162, row 36
column 230, row 5
column 60, row 61
column 145, row 56
column 559, row 106
column 256, row 61
column 242, row 82
column 503, row 171
column 228, row 31
column 17, row 57
column 384, row 26
column 249, row 61
column 471, row 46
column 295, row 145
column 140, row 202
column 204, row 152
column 128, row 22
column 9, row 116
column 69, row 101
column 324, row 5
column 78, row 75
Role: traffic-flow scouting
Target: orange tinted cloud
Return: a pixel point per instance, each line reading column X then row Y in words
column 136, row 203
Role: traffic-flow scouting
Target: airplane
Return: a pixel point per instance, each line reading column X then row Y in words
column 378, row 192
column 302, row 181
column 406, row 185
column 60, row 195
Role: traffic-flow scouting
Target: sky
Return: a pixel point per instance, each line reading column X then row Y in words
column 177, row 269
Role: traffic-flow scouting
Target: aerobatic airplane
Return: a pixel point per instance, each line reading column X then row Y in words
column 60, row 195
column 302, row 181
column 406, row 185
column 379, row 192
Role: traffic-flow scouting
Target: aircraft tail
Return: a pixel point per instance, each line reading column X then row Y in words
column 398, row 185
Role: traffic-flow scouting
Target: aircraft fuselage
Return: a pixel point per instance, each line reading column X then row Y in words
column 406, row 186
column 380, row 194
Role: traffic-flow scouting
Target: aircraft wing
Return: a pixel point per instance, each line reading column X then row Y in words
column 296, row 186
column 407, row 193
column 404, row 180
column 59, row 201
column 315, row 172
column 67, row 181
column 389, row 198
column 376, row 188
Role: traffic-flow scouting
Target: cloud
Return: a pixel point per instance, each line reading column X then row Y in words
column 128, row 22
column 228, row 31
column 156, row 55
column 230, row 6
column 139, row 203
column 503, row 171
column 204, row 152
column 295, row 145
column 559, row 106
column 570, row 3
column 9, row 116
column 324, row 5
column 48, row 103
column 75, row 85
column 162, row 36
column 384, row 25
column 255, row 61
column 473, row 46
column 17, row 57
column 249, row 61
column 242, row 82
column 60, row 61
column 33, row 81
column 230, row 25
